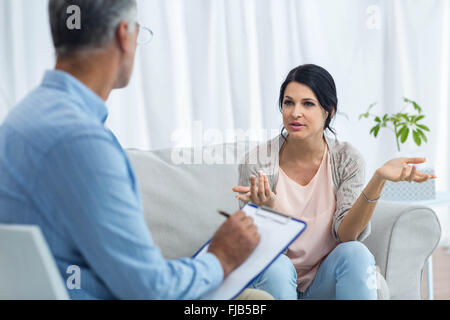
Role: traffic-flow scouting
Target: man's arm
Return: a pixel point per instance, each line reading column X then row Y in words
column 88, row 184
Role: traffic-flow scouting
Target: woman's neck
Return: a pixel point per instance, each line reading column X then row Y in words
column 304, row 151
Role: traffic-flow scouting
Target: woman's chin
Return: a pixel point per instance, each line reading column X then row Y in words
column 300, row 135
column 296, row 133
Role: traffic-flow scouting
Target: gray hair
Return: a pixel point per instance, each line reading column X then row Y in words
column 98, row 22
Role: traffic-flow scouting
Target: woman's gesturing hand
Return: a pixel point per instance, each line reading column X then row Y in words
column 399, row 169
column 259, row 191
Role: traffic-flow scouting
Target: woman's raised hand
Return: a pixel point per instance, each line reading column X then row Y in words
column 400, row 169
column 259, row 191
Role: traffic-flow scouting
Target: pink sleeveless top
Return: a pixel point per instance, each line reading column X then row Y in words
column 315, row 204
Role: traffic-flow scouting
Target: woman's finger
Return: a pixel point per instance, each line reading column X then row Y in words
column 253, row 190
column 412, row 174
column 421, row 174
column 415, row 160
column 244, row 197
column 424, row 176
column 403, row 174
column 261, row 193
column 421, row 179
column 241, row 189
column 252, row 183
column 429, row 175
column 267, row 190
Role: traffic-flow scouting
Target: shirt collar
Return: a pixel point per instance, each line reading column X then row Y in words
column 88, row 101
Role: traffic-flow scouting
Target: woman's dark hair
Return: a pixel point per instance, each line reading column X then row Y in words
column 320, row 82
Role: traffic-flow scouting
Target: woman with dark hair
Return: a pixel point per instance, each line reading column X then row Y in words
column 313, row 177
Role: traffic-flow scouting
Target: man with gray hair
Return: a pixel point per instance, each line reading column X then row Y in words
column 62, row 170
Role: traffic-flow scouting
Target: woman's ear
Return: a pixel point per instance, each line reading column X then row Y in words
column 333, row 112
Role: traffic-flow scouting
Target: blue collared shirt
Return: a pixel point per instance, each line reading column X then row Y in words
column 62, row 170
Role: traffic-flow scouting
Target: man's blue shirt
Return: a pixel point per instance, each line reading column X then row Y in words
column 62, row 170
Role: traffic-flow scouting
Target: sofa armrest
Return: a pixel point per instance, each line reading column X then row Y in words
column 403, row 236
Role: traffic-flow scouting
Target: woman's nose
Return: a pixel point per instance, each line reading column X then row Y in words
column 298, row 112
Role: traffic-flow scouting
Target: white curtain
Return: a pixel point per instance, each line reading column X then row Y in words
column 219, row 64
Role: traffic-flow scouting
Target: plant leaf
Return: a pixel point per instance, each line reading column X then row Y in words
column 367, row 114
column 385, row 120
column 422, row 135
column 423, row 127
column 364, row 115
column 405, row 116
column 371, row 106
column 377, row 119
column 400, row 132
column 416, row 138
column 418, row 118
column 404, row 135
column 375, row 133
column 375, row 130
column 415, row 105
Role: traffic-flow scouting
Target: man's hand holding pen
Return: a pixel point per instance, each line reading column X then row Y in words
column 234, row 241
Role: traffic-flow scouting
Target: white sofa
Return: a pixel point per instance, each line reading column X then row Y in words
column 180, row 203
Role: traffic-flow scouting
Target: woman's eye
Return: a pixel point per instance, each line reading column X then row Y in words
column 309, row 104
column 287, row 102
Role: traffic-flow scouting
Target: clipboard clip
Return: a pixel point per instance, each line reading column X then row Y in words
column 271, row 214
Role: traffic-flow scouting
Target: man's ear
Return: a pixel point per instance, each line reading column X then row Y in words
column 123, row 35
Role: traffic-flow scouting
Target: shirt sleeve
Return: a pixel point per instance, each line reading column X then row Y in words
column 351, row 185
column 87, row 181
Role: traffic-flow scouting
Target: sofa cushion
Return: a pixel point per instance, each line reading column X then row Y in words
column 180, row 201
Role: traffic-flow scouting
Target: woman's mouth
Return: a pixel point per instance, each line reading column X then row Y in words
column 297, row 126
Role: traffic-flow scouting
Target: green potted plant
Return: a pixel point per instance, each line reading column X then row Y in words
column 404, row 125
column 401, row 123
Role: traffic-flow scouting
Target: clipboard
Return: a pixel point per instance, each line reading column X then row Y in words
column 277, row 232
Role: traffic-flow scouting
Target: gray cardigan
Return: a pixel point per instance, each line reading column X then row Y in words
column 347, row 166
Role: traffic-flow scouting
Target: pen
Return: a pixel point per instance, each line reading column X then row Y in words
column 227, row 215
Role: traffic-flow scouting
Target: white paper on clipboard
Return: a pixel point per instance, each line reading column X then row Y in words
column 277, row 232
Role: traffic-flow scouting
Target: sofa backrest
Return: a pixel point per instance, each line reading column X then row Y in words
column 180, row 201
